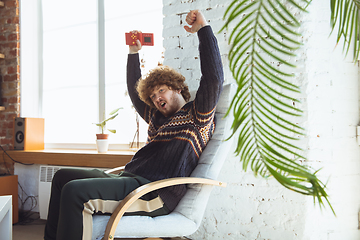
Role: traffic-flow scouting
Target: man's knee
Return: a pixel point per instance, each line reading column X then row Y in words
column 59, row 180
column 72, row 189
column 66, row 175
column 61, row 175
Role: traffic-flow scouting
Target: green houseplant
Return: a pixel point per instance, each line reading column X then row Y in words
column 102, row 138
column 261, row 33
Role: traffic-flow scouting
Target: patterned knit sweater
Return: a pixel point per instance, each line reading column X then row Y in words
column 175, row 143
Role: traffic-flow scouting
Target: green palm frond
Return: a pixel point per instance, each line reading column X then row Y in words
column 264, row 37
column 345, row 16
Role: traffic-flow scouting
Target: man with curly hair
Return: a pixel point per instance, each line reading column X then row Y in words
column 178, row 133
column 178, row 130
column 162, row 76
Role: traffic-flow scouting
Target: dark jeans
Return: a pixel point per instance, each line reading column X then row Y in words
column 77, row 194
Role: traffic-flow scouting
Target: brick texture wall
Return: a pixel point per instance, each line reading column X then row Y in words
column 10, row 73
column 256, row 208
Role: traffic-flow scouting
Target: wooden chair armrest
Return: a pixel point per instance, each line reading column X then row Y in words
column 144, row 189
column 115, row 169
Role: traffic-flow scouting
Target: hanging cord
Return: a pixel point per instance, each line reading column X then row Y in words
column 25, row 216
column 4, row 152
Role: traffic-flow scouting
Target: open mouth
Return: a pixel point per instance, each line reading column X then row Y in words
column 162, row 104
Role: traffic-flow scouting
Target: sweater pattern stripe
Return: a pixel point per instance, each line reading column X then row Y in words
column 184, row 126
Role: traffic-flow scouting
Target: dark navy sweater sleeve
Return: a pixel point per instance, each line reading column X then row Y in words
column 133, row 74
column 212, row 73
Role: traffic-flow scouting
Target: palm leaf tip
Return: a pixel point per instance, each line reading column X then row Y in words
column 304, row 182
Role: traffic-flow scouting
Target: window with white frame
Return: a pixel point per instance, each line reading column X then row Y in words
column 73, row 66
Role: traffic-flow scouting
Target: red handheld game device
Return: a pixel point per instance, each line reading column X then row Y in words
column 146, row 39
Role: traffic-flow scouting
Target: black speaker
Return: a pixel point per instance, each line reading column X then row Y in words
column 28, row 133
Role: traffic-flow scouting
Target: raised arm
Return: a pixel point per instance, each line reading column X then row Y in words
column 133, row 73
column 210, row 62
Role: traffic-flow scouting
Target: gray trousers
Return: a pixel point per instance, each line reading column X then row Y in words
column 77, row 194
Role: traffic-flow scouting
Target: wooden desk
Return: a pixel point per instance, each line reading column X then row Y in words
column 79, row 158
column 72, row 158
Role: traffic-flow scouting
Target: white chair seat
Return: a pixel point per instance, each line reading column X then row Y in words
column 171, row 225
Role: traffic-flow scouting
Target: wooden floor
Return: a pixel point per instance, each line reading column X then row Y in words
column 30, row 231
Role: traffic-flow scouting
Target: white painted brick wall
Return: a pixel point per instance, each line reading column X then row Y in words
column 333, row 113
column 255, row 208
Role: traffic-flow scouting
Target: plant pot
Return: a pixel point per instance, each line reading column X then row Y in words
column 102, row 143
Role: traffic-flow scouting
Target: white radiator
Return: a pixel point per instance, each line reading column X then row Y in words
column 46, row 174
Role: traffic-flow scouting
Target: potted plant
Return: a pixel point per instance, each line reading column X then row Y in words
column 102, row 143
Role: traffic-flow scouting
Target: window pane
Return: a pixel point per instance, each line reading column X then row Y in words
column 70, row 66
column 70, row 75
column 67, row 13
column 146, row 17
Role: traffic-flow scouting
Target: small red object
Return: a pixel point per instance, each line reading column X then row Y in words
column 146, row 39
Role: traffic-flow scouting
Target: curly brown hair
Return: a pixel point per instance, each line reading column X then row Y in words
column 162, row 75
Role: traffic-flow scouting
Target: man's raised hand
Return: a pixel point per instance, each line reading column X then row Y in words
column 135, row 48
column 196, row 20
